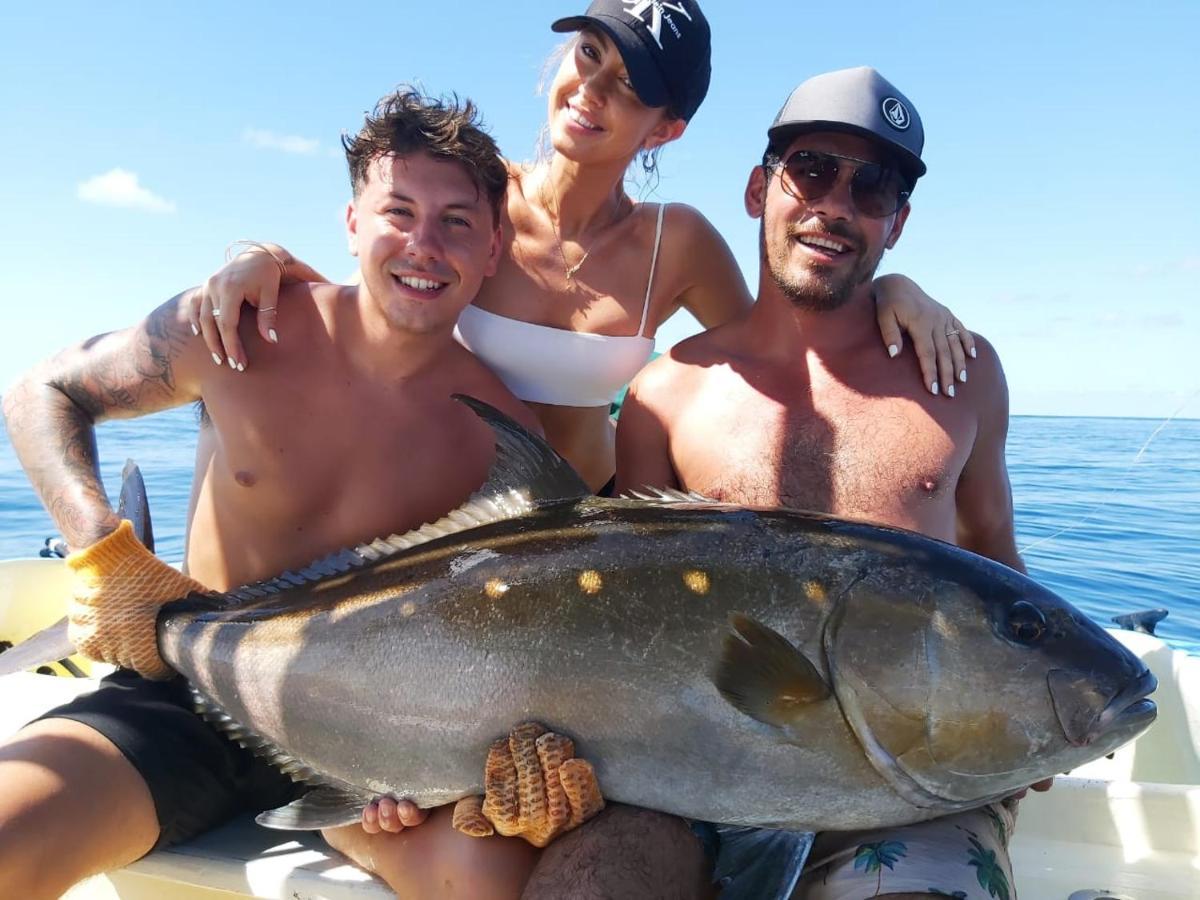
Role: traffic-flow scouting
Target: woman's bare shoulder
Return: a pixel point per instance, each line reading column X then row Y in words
column 697, row 270
column 686, row 221
column 688, row 234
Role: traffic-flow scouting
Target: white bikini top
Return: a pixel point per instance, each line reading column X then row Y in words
column 557, row 366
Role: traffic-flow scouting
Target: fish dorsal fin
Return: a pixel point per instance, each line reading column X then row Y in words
column 764, row 676
column 526, row 472
column 525, row 463
column 667, row 496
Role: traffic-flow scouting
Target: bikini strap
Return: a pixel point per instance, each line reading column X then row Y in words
column 653, row 262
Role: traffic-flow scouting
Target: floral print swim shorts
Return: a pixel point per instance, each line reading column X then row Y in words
column 964, row 855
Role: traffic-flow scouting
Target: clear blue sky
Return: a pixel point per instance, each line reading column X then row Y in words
column 1060, row 216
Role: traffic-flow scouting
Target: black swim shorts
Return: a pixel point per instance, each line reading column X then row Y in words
column 197, row 777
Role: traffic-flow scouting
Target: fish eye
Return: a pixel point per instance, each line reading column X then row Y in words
column 1026, row 624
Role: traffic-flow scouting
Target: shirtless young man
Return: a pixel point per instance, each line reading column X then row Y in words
column 349, row 432
column 792, row 405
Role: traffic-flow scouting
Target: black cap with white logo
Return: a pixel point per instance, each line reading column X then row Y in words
column 858, row 101
column 666, row 47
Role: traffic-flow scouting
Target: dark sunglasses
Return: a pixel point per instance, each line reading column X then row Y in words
column 877, row 189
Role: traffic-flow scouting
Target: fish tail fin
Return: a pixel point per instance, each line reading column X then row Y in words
column 48, row 645
column 133, row 505
column 52, row 644
column 760, row 863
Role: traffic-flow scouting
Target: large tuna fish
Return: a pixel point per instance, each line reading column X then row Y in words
column 753, row 667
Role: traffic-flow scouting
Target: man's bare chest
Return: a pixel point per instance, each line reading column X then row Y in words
column 884, row 459
column 359, row 469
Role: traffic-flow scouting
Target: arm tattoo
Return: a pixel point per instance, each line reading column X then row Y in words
column 137, row 379
column 52, row 412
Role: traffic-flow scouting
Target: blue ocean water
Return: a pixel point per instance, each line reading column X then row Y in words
column 1109, row 529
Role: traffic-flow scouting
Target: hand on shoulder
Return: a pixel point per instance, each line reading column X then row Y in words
column 986, row 375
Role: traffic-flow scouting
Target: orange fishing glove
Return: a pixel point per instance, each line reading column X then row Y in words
column 534, row 787
column 119, row 588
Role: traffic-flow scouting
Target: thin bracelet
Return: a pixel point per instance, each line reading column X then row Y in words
column 256, row 245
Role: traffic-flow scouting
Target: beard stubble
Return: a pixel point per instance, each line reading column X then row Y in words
column 813, row 288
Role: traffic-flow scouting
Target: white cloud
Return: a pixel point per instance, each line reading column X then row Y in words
column 118, row 187
column 287, row 143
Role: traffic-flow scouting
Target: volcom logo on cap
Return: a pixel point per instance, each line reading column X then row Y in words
column 897, row 114
column 639, row 8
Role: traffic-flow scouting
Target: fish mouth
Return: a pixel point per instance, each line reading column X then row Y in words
column 1128, row 712
column 1131, row 706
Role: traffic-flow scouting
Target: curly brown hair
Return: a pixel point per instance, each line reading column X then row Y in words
column 408, row 121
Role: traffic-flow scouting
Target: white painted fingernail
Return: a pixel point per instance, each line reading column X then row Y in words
column 962, row 376
column 933, row 388
column 950, row 390
column 195, row 330
column 272, row 335
column 893, row 350
column 973, row 353
column 217, row 359
column 232, row 363
column 241, row 367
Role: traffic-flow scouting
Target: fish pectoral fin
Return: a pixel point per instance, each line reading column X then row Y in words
column 759, row 863
column 764, row 676
column 323, row 807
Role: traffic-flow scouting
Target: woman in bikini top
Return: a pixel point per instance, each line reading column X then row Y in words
column 587, row 274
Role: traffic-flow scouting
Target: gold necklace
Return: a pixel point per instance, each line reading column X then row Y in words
column 568, row 269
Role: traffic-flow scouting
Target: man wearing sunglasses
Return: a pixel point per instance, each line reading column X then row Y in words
column 793, row 405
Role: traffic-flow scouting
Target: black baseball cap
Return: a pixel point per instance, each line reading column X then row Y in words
column 858, row 101
column 667, row 48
